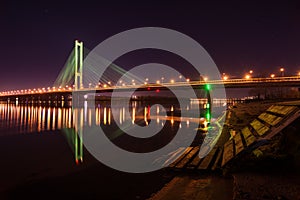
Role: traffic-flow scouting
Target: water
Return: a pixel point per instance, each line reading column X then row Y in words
column 16, row 119
column 41, row 143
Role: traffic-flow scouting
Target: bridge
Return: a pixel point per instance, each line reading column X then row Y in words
column 70, row 80
column 73, row 74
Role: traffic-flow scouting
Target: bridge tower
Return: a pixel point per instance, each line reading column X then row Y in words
column 78, row 143
column 78, row 64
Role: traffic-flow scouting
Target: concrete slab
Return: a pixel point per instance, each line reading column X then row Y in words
column 207, row 159
column 187, row 150
column 188, row 157
column 238, row 144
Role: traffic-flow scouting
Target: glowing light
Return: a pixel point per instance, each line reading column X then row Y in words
column 208, row 116
column 109, row 116
column 133, row 115
column 272, row 75
column 247, row 76
column 207, row 87
column 172, row 81
column 282, row 71
column 104, row 116
column 205, row 123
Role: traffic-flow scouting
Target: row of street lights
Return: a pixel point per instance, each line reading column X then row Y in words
column 123, row 83
column 250, row 74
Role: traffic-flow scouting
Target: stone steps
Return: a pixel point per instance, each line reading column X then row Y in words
column 267, row 125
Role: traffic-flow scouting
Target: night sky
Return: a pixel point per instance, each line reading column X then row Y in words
column 37, row 38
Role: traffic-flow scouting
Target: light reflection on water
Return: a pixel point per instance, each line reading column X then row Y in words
column 24, row 119
column 28, row 119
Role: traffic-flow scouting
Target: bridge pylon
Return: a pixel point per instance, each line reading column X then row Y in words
column 78, row 64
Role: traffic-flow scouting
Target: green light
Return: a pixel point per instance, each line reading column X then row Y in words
column 208, row 116
column 207, row 87
column 207, row 105
column 80, row 146
column 76, row 148
column 75, row 143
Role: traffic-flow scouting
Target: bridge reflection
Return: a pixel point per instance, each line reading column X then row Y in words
column 35, row 119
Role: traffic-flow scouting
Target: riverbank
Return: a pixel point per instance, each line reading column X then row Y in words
column 271, row 172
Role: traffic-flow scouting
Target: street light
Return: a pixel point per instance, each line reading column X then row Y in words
column 224, row 77
column 282, row 71
column 247, row 76
column 272, row 75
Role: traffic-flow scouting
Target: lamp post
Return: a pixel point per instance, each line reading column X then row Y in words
column 282, row 71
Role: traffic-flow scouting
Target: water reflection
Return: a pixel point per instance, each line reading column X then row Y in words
column 18, row 118
column 38, row 118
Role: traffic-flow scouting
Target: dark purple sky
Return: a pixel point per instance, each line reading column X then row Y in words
column 37, row 38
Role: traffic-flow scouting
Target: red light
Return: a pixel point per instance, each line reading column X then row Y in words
column 148, row 88
column 157, row 90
